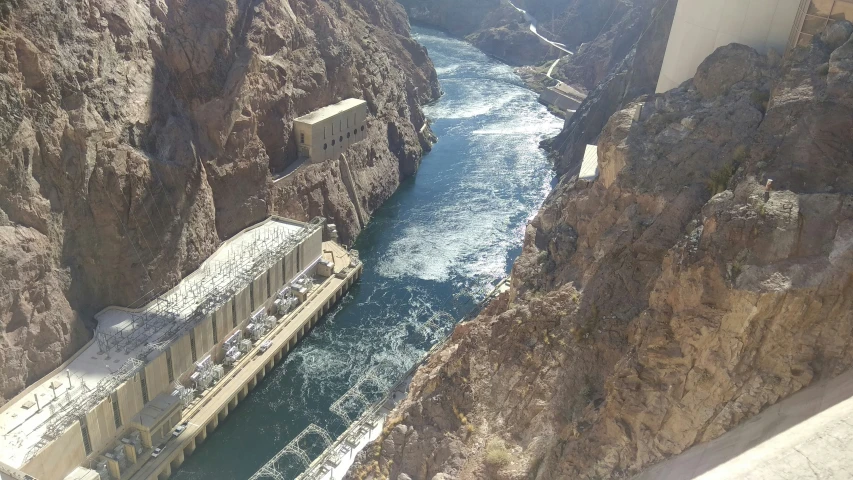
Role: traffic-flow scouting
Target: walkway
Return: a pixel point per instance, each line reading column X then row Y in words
column 806, row 436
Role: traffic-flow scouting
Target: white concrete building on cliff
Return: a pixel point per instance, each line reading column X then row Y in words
column 702, row 26
column 326, row 133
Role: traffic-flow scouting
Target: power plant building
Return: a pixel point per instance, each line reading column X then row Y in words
column 326, row 133
column 702, row 26
column 122, row 393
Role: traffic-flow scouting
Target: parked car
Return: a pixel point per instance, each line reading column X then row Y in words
column 265, row 346
column 157, row 451
column 180, row 428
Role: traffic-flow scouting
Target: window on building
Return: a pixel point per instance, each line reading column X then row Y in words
column 252, row 295
column 144, row 382
column 355, row 132
column 362, row 128
column 116, row 410
column 170, row 370
column 87, row 441
column 842, row 11
column 269, row 285
column 813, row 25
column 192, row 346
column 215, row 332
column 342, row 138
column 302, row 138
column 325, row 146
column 333, row 143
column 819, row 15
column 820, row 8
column 347, row 134
column 234, row 315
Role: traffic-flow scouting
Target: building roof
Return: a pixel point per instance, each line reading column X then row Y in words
column 23, row 424
column 330, row 111
column 589, row 167
column 156, row 410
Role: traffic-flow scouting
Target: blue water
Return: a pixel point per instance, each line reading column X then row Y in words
column 430, row 253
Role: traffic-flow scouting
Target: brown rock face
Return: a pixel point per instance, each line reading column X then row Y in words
column 664, row 303
column 134, row 136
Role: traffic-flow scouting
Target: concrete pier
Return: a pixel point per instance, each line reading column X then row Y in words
column 221, row 399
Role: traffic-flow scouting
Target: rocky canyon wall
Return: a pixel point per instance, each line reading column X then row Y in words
column 669, row 300
column 616, row 67
column 136, row 135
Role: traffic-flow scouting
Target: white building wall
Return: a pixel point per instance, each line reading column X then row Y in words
column 702, row 26
column 328, row 138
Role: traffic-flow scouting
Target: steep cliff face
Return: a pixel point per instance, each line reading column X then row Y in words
column 669, row 300
column 493, row 26
column 616, row 67
column 134, row 136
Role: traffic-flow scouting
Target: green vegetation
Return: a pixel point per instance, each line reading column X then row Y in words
column 497, row 455
column 719, row 181
column 760, row 98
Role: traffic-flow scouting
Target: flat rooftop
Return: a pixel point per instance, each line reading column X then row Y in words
column 329, row 111
column 23, row 424
column 156, row 410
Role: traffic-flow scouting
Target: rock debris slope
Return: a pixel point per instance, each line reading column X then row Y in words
column 669, row 300
column 135, row 135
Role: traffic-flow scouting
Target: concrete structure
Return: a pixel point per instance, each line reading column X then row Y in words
column 202, row 417
column 805, row 436
column 562, row 96
column 114, row 398
column 702, row 26
column 326, row 133
column 340, row 454
column 814, row 15
column 589, row 167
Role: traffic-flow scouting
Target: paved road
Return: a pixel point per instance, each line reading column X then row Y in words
column 533, row 29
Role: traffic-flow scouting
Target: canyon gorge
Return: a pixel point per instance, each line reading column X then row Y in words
column 136, row 136
column 701, row 278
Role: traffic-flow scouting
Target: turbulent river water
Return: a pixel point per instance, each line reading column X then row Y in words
column 430, row 253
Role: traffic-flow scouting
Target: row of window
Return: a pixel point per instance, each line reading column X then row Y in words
column 820, row 14
column 341, row 138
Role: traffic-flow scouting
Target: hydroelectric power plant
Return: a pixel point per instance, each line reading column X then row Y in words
column 157, row 379
column 430, row 254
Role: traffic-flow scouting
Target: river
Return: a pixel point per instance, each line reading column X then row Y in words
column 430, row 252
